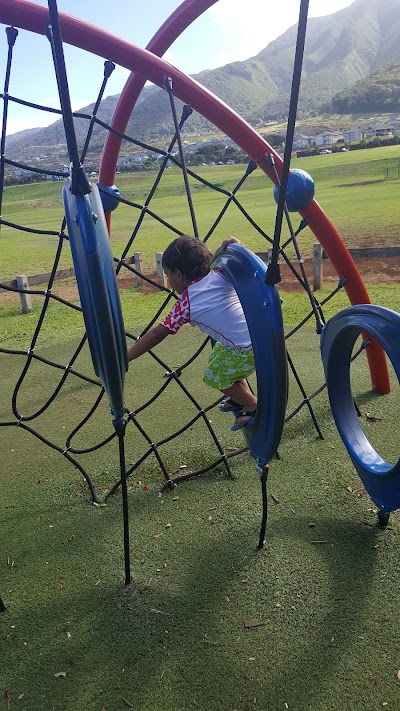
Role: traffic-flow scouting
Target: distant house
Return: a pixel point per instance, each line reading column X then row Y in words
column 302, row 141
column 138, row 157
column 327, row 138
column 354, row 134
column 382, row 129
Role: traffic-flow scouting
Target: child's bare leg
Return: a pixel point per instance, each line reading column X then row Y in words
column 241, row 393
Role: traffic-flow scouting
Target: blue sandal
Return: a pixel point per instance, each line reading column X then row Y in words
column 228, row 405
column 244, row 413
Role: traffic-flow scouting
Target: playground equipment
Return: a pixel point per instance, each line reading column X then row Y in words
column 92, row 257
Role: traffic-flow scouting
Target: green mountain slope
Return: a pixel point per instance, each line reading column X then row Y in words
column 380, row 91
column 341, row 49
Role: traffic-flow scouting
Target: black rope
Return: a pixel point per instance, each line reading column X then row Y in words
column 108, row 70
column 186, row 112
column 168, row 86
column 79, row 182
column 120, row 429
column 263, row 480
column 306, row 399
column 273, row 273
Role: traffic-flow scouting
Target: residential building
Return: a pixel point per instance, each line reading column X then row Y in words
column 302, row 141
column 328, row 138
column 379, row 129
column 354, row 134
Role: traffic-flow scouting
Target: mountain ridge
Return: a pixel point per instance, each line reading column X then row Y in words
column 349, row 44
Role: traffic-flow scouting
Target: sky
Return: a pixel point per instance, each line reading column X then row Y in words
column 230, row 30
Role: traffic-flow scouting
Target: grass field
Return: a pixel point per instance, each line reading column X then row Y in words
column 310, row 623
column 350, row 187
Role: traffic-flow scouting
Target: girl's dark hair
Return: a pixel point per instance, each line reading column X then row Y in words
column 189, row 255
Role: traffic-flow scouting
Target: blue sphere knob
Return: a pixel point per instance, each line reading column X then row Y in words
column 109, row 195
column 300, row 190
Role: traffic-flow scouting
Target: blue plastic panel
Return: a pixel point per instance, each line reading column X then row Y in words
column 381, row 480
column 98, row 291
column 262, row 308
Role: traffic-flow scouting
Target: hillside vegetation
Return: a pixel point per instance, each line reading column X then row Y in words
column 380, row 91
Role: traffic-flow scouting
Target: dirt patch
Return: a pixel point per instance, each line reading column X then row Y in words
column 381, row 270
column 385, row 270
column 363, row 182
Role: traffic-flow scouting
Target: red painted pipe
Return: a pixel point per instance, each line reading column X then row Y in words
column 183, row 16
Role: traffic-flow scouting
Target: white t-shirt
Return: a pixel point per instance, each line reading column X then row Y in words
column 211, row 304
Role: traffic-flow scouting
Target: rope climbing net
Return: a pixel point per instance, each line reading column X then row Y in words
column 139, row 222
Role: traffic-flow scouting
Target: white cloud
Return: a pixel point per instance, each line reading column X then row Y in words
column 254, row 24
column 14, row 125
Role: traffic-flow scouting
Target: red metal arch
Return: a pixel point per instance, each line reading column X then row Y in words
column 34, row 18
column 176, row 23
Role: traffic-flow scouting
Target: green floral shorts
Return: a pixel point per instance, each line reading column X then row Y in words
column 228, row 365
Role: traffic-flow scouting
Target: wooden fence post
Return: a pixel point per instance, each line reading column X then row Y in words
column 26, row 301
column 137, row 258
column 162, row 279
column 317, row 266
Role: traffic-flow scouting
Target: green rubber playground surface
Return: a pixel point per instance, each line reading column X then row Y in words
column 209, row 622
column 309, row 623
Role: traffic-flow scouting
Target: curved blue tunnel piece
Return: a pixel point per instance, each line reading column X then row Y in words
column 262, row 308
column 98, row 291
column 381, row 480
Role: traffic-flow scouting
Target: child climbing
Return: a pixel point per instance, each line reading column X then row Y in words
column 208, row 301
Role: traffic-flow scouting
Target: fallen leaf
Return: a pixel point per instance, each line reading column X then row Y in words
column 366, row 522
column 128, row 703
column 274, row 498
column 349, row 489
column 398, row 675
column 158, row 612
column 60, row 675
column 372, row 418
column 250, row 624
